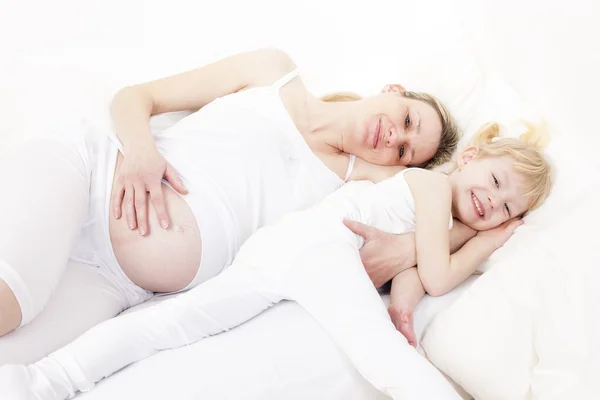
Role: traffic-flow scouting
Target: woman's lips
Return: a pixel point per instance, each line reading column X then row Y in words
column 377, row 133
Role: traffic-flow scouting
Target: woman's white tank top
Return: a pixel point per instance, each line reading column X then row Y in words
column 245, row 163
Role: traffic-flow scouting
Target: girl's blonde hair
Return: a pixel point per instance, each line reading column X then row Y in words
column 526, row 150
column 450, row 132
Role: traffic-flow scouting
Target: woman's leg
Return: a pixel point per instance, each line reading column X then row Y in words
column 330, row 282
column 231, row 298
column 83, row 298
column 45, row 195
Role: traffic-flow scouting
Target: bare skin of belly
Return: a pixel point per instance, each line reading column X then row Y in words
column 162, row 260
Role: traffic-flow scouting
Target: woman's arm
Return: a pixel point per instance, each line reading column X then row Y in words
column 385, row 254
column 143, row 167
column 132, row 106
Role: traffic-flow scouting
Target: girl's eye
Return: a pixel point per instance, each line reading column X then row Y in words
column 507, row 209
column 407, row 121
column 496, row 181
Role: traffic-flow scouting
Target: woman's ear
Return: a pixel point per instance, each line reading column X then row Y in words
column 466, row 156
column 397, row 88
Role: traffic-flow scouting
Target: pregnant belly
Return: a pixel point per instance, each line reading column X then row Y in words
column 162, row 260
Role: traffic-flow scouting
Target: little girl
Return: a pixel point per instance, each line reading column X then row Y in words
column 312, row 258
column 487, row 214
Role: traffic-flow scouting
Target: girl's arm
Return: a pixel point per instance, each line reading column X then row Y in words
column 407, row 290
column 385, row 254
column 439, row 271
column 459, row 235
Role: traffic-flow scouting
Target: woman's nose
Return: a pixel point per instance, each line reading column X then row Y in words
column 392, row 138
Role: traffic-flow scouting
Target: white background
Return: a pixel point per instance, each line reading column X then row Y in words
column 548, row 50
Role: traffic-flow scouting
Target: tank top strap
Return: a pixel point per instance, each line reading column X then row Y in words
column 404, row 171
column 285, row 79
column 350, row 167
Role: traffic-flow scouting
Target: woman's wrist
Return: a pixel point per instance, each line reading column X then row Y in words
column 138, row 143
column 131, row 112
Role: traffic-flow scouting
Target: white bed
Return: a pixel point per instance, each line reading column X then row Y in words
column 281, row 354
column 487, row 60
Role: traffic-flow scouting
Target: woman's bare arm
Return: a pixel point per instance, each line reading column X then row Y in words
column 133, row 105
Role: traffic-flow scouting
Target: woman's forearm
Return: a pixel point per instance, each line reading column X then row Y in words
column 131, row 110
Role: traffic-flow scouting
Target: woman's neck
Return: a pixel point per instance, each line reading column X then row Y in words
column 332, row 122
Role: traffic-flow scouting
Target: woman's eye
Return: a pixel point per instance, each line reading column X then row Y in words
column 496, row 181
column 407, row 121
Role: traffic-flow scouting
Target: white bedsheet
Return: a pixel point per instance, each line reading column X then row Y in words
column 281, row 354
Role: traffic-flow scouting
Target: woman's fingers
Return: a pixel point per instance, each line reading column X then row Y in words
column 365, row 231
column 130, row 196
column 174, row 180
column 130, row 207
column 117, row 201
column 141, row 209
column 158, row 202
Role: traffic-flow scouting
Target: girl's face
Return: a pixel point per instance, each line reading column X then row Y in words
column 486, row 191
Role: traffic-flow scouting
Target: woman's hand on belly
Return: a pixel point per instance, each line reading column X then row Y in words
column 138, row 174
column 164, row 260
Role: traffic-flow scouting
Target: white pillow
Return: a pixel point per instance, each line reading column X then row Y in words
column 489, row 341
column 570, row 153
column 527, row 328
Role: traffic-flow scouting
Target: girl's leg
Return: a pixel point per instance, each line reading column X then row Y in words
column 231, row 298
column 45, row 195
column 330, row 282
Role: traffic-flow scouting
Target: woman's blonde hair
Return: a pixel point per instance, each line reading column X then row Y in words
column 450, row 132
column 526, row 150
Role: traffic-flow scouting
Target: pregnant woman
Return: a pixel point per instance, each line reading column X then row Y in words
column 165, row 212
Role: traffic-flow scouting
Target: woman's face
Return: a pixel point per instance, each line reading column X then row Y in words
column 395, row 130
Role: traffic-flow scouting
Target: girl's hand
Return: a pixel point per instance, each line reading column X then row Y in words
column 141, row 173
column 499, row 235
